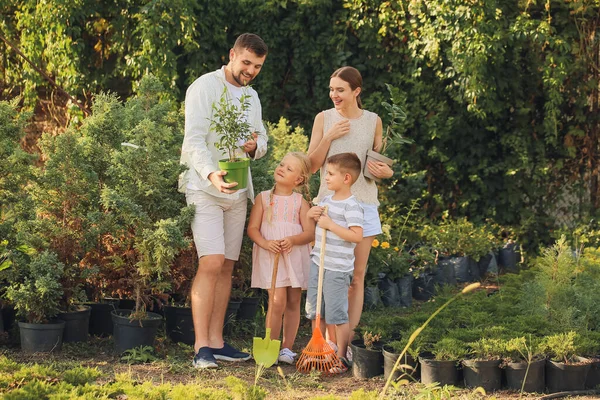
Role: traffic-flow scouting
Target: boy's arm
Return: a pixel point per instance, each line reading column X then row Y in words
column 353, row 234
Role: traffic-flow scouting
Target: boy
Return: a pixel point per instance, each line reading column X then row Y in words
column 344, row 226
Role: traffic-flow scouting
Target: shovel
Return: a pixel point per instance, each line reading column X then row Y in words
column 266, row 351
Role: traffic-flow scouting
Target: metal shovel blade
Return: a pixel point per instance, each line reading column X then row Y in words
column 266, row 351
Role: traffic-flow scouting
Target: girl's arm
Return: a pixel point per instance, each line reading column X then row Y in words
column 253, row 230
column 320, row 142
column 377, row 168
column 308, row 230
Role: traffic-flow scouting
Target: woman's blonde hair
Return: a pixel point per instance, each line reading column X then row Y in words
column 305, row 167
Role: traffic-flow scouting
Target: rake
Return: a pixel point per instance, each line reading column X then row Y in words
column 318, row 354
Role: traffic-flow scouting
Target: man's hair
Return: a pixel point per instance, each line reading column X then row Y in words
column 348, row 163
column 251, row 42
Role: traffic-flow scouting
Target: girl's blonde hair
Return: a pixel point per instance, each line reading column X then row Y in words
column 305, row 167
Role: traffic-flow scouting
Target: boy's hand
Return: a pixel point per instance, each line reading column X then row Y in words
column 325, row 222
column 315, row 212
column 286, row 245
column 273, row 246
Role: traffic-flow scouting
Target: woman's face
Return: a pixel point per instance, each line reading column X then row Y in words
column 341, row 94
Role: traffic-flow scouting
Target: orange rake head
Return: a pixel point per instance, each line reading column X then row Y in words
column 318, row 355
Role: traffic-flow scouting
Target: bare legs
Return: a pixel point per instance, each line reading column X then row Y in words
column 356, row 293
column 286, row 307
column 210, row 296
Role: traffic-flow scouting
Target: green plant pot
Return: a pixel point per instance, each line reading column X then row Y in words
column 237, row 171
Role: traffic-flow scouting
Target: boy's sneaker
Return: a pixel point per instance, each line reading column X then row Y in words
column 204, row 358
column 342, row 367
column 229, row 353
column 332, row 345
column 287, row 356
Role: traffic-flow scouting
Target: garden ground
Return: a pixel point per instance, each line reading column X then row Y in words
column 173, row 365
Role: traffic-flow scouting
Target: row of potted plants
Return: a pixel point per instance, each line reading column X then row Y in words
column 546, row 312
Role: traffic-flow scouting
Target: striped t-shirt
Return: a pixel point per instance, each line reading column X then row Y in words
column 339, row 253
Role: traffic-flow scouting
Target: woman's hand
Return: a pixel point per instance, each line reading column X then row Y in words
column 339, row 129
column 380, row 170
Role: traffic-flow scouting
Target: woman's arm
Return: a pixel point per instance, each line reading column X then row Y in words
column 253, row 230
column 378, row 169
column 320, row 142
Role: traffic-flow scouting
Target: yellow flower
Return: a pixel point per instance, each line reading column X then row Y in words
column 385, row 245
column 375, row 243
column 396, row 249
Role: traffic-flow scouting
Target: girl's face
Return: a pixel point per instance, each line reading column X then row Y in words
column 341, row 94
column 288, row 172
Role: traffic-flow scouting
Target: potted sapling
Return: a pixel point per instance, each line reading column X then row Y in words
column 231, row 125
column 367, row 356
column 442, row 367
column 565, row 370
column 524, row 364
column 483, row 368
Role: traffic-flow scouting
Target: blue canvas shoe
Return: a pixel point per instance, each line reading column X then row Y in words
column 205, row 358
column 229, row 353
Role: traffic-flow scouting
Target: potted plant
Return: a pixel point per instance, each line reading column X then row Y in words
column 230, row 124
column 483, row 368
column 524, row 364
column 565, row 371
column 391, row 136
column 35, row 292
column 442, row 367
column 408, row 366
column 367, row 356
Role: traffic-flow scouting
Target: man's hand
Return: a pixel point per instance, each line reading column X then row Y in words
column 250, row 146
column 216, row 178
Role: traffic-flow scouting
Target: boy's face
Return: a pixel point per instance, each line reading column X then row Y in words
column 334, row 178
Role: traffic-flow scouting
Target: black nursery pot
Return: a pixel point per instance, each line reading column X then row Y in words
column 593, row 377
column 484, row 373
column 134, row 333
column 389, row 292
column 248, row 309
column 100, row 320
column 41, row 337
column 77, row 324
column 561, row 377
column 366, row 363
column 389, row 360
column 424, row 286
column 179, row 324
column 536, row 376
column 404, row 285
column 442, row 372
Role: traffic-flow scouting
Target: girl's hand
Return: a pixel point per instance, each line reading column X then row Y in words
column 273, row 246
column 380, row 170
column 315, row 212
column 286, row 245
column 339, row 129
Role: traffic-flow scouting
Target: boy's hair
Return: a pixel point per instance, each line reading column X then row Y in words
column 348, row 163
column 251, row 42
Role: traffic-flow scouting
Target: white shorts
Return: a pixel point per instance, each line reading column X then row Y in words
column 218, row 225
column 371, row 222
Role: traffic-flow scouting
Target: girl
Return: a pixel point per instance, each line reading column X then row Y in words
column 347, row 127
column 279, row 224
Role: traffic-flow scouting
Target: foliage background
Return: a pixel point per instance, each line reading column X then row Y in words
column 501, row 96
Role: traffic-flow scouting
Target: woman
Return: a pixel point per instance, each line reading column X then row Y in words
column 347, row 127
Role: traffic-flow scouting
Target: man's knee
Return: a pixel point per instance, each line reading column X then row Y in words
column 211, row 265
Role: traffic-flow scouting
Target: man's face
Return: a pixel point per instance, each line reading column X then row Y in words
column 244, row 66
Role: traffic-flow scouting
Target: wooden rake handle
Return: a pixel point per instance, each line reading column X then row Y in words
column 321, row 269
column 272, row 290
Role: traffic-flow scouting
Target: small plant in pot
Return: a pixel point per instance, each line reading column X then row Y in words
column 565, row 370
column 524, row 364
column 35, row 291
column 408, row 365
column 482, row 369
column 442, row 368
column 230, row 123
column 367, row 356
column 391, row 137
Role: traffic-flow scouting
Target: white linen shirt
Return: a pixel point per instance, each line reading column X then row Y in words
column 198, row 152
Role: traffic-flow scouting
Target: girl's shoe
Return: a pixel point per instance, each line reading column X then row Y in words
column 287, row 356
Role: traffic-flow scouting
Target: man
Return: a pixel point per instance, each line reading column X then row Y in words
column 218, row 225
